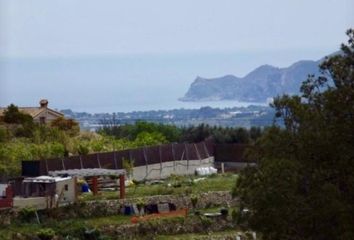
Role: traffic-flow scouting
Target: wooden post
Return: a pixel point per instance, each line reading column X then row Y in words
column 146, row 162
column 206, row 150
column 81, row 164
column 174, row 157
column 187, row 155
column 160, row 156
column 94, row 185
column 46, row 166
column 98, row 160
column 115, row 160
column 121, row 186
column 198, row 155
column 62, row 163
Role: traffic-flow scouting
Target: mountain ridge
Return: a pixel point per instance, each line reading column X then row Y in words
column 264, row 82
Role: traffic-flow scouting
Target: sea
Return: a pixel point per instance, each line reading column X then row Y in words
column 107, row 84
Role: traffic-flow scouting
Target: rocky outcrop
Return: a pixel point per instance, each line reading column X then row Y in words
column 259, row 85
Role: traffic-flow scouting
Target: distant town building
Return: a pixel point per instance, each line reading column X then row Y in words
column 41, row 114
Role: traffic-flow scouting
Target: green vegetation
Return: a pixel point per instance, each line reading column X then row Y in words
column 169, row 133
column 46, row 233
column 303, row 186
column 22, row 139
column 13, row 116
column 103, row 228
column 71, row 228
column 175, row 185
column 230, row 234
column 132, row 131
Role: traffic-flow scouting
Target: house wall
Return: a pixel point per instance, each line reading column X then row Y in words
column 45, row 202
column 48, row 116
column 68, row 195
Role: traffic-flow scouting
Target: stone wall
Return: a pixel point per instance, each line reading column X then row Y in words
column 217, row 198
column 112, row 207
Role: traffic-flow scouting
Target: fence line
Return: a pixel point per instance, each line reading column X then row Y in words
column 145, row 156
column 114, row 160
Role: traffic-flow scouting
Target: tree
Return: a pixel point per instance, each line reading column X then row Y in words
column 68, row 125
column 13, row 115
column 21, row 123
column 303, row 184
column 131, row 131
column 148, row 139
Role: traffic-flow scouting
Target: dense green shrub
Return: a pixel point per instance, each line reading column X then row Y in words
column 46, row 234
column 27, row 214
column 12, row 115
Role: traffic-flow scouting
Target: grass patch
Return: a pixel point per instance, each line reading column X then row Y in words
column 175, row 185
column 199, row 236
column 113, row 220
column 75, row 227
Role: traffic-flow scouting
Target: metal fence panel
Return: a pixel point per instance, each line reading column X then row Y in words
column 142, row 156
column 153, row 154
column 230, row 152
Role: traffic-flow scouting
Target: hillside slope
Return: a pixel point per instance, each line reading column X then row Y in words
column 262, row 83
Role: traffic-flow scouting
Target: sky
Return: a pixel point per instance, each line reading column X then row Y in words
column 188, row 37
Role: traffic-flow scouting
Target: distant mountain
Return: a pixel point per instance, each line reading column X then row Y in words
column 259, row 85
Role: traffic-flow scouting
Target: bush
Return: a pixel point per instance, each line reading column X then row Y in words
column 27, row 214
column 73, row 230
column 235, row 216
column 13, row 116
column 46, row 234
column 194, row 201
column 206, row 222
column 3, row 134
column 69, row 125
column 91, row 234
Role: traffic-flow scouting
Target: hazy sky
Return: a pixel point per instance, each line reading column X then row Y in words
column 113, row 55
column 111, row 27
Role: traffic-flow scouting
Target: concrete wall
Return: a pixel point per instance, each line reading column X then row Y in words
column 36, row 202
column 69, row 194
column 165, row 169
